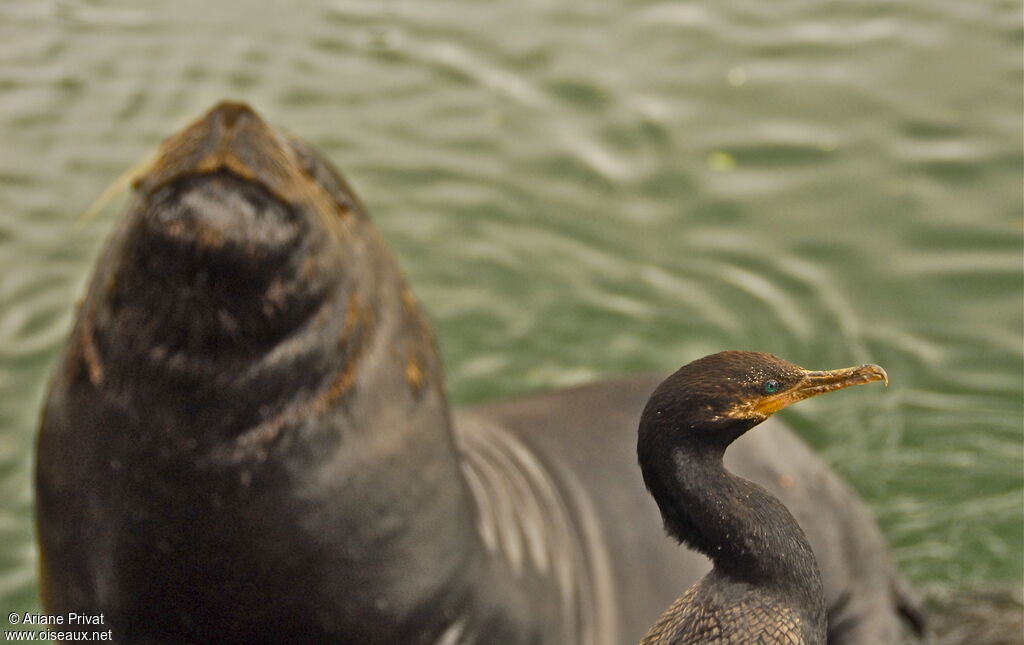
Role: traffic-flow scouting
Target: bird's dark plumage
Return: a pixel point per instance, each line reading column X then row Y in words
column 765, row 586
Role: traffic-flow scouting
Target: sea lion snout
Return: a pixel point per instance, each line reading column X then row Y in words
column 229, row 112
column 232, row 139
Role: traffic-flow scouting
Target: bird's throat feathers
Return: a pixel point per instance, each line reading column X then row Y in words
column 736, row 523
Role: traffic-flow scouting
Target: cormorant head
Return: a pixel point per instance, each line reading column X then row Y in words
column 717, row 398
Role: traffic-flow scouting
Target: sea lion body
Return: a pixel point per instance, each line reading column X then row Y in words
column 246, row 440
column 246, row 359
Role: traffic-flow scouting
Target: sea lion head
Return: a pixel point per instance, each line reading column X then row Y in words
column 231, row 241
column 246, row 275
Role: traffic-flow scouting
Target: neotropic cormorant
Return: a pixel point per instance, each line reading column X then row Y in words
column 246, row 440
column 765, row 586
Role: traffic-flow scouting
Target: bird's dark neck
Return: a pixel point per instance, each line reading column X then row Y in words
column 749, row 534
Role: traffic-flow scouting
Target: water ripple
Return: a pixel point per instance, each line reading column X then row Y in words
column 585, row 189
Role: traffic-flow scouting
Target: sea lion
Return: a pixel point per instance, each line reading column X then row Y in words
column 247, row 439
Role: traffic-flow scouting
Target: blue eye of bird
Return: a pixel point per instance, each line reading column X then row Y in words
column 771, row 386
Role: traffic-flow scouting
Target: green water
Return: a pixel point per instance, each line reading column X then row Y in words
column 579, row 189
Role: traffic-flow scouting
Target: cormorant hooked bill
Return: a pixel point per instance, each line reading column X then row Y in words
column 765, row 586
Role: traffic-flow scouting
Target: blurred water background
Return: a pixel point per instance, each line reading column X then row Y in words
column 578, row 189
